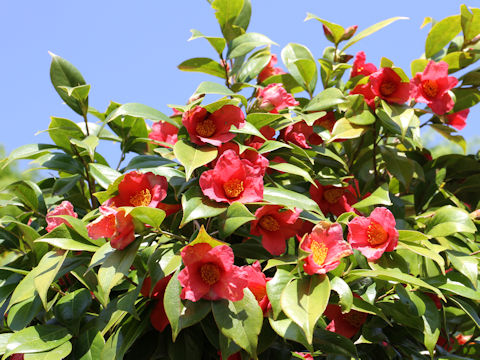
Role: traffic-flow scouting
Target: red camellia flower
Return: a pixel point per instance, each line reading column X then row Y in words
column 457, row 120
column 374, row 235
column 164, row 132
column 65, row 208
column 304, row 355
column 274, row 98
column 431, row 87
column 275, row 226
column 366, row 91
column 344, row 324
column 270, row 70
column 326, row 247
column 387, row 85
column 158, row 317
column 360, row 67
column 302, row 135
column 333, row 199
column 256, row 142
column 209, row 273
column 205, row 128
column 257, row 283
column 232, row 179
column 255, row 159
column 115, row 225
column 137, row 189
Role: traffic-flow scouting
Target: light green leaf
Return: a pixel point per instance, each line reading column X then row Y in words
column 447, row 131
column 62, row 131
column 337, row 30
column 291, row 169
column 197, row 206
column 290, row 56
column 139, row 111
column 412, row 236
column 69, row 244
column 148, row 215
column 418, row 65
column 275, row 288
column 344, row 293
column 78, row 92
column 465, row 263
column 104, row 175
column 449, row 220
column 58, row 353
column 290, row 199
column 46, row 271
column 217, row 43
column 288, row 330
column 423, row 251
column 245, row 43
column 470, row 22
column 441, row 34
column 70, row 309
column 204, row 65
column 227, row 12
column 325, row 100
column 192, row 158
column 378, row 197
column 89, row 345
column 237, row 215
column 343, row 129
column 468, row 308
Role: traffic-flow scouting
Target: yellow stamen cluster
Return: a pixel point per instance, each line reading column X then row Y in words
column 141, row 198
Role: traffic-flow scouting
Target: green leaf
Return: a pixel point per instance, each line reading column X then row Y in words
column 237, row 215
column 4, row 341
column 288, row 330
column 104, row 175
column 260, row 120
column 209, row 87
column 470, row 22
column 370, row 30
column 58, row 353
column 62, row 131
column 418, row 65
column 227, row 12
column 217, row 43
column 196, row 206
column 37, row 338
column 398, row 165
column 423, row 251
column 458, row 60
column 46, row 271
column 327, row 99
column 89, row 345
column 304, row 301
column 465, row 98
column 411, row 236
column 289, row 199
column 275, row 288
column 204, row 65
column 251, row 68
column 70, row 309
column 449, row 220
column 291, row 169
column 24, row 290
column 343, row 129
column 331, row 343
column 337, row 30
column 468, row 308
column 447, row 131
column 116, row 266
column 139, row 111
column 344, row 293
column 287, row 80
column 465, row 263
column 182, row 314
column 248, row 129
column 380, row 196
column 69, row 244
column 240, row 321
column 365, row 117
column 290, row 56
column 28, row 193
column 441, row 34
column 245, row 43
column 431, row 322
column 147, row 215
column 30, row 151
column 78, row 92
column 90, row 143
column 21, row 315
column 63, row 73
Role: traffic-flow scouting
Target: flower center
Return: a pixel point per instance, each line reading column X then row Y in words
column 233, row 188
column 333, row 195
column 206, row 128
column 355, row 318
column 210, row 273
column 269, row 223
column 388, row 88
column 141, row 198
column 430, row 88
column 376, row 234
column 319, row 251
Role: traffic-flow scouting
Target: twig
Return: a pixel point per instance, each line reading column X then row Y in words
column 90, row 181
column 86, row 123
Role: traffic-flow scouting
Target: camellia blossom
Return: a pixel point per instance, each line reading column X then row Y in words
column 164, row 132
column 158, row 317
column 113, row 224
column 432, row 85
column 257, row 283
column 274, row 98
column 326, row 247
column 256, row 159
column 65, row 208
column 275, row 226
column 137, row 189
column 209, row 273
column 302, row 135
column 360, row 67
column 214, row 129
column 270, row 70
column 304, row 355
column 374, row 235
column 366, row 91
column 457, row 120
column 333, row 199
column 347, row 324
column 232, row 179
column 388, row 85
column 256, row 142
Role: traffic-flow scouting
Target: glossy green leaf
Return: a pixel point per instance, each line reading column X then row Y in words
column 441, row 34
column 411, row 236
column 148, row 215
column 447, row 131
column 89, row 345
column 431, row 322
column 465, row 98
column 423, row 251
column 458, row 60
column 289, row 199
column 343, row 129
column 227, row 12
column 90, row 143
column 27, row 192
column 197, row 206
column 287, row 329
column 449, row 220
column 370, row 30
column 70, row 309
column 327, row 99
column 192, row 158
column 465, row 263
column 304, row 301
column 237, row 214
column 468, row 308
column 380, row 196
column 333, row 343
column 217, row 43
column 240, row 321
column 253, row 66
column 275, row 288
column 21, row 315
column 204, row 65
column 139, row 111
column 344, row 293
column 337, row 30
column 61, row 131
column 245, row 43
column 58, row 353
column 46, row 271
column 470, row 22
column 24, row 290
column 417, row 66
column 398, row 165
column 291, row 54
column 104, row 175
column 69, row 244
column 291, row 169
column 79, row 92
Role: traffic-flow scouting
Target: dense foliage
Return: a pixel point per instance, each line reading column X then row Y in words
column 276, row 215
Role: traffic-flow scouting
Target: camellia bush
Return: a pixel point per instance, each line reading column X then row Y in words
column 277, row 215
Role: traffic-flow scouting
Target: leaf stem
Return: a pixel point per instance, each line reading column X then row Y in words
column 86, row 123
column 90, row 181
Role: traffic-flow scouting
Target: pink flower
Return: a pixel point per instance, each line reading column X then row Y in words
column 115, row 225
column 274, row 98
column 257, row 283
column 232, row 179
column 360, row 67
column 164, row 132
column 255, row 159
column 205, row 128
column 333, row 199
column 65, row 208
column 137, row 189
column 326, row 247
column 270, row 70
column 457, row 120
column 275, row 226
column 305, row 355
column 431, row 87
column 209, row 273
column 347, row 324
column 387, row 85
column 374, row 235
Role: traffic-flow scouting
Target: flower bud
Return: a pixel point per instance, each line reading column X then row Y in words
column 349, row 32
column 328, row 34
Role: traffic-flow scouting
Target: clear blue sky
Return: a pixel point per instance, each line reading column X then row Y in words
column 129, row 51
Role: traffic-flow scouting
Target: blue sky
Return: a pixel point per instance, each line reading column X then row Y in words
column 129, row 51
